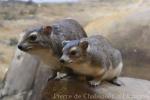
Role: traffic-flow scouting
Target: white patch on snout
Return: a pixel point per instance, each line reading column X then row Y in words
column 66, row 58
column 33, row 33
column 73, row 48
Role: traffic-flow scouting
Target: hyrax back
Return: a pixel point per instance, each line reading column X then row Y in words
column 93, row 56
column 67, row 29
column 45, row 42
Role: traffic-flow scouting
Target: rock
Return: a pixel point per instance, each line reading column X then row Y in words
column 133, row 89
column 21, row 74
column 25, row 78
column 130, row 34
column 131, row 31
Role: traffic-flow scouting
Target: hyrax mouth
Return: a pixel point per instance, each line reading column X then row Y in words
column 62, row 61
column 23, row 48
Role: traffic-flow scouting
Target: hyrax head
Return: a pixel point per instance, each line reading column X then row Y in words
column 35, row 39
column 74, row 51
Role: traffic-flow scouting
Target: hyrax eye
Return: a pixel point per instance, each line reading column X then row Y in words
column 33, row 37
column 73, row 52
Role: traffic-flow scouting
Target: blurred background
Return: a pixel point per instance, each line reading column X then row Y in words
column 126, row 23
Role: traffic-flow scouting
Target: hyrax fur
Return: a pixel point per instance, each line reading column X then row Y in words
column 95, row 57
column 46, row 42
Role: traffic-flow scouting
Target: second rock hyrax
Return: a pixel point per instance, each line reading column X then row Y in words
column 95, row 57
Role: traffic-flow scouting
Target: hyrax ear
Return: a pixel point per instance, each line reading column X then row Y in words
column 83, row 44
column 65, row 42
column 47, row 30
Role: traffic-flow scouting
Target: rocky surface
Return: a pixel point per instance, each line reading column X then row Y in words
column 25, row 76
column 132, row 89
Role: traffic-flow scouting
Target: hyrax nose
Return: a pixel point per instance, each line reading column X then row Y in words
column 20, row 47
column 62, row 61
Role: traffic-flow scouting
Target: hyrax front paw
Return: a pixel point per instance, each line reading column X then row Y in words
column 94, row 83
column 52, row 76
column 60, row 76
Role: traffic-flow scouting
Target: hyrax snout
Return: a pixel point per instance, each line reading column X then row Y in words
column 93, row 56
